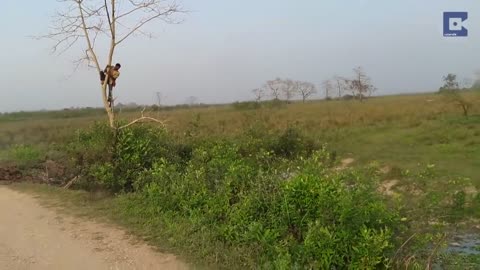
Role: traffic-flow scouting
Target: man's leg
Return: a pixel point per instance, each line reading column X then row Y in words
column 102, row 77
column 110, row 88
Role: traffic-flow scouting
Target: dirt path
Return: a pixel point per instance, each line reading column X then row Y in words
column 34, row 237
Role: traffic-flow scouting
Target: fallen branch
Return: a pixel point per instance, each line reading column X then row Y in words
column 143, row 119
column 408, row 260
column 71, row 182
column 404, row 244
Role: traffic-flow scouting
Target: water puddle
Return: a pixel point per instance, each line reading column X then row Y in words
column 468, row 244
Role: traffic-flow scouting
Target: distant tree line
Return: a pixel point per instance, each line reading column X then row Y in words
column 357, row 87
column 286, row 89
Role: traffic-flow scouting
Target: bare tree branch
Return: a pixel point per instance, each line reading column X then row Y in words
column 340, row 85
column 289, row 89
column 154, row 10
column 143, row 119
column 274, row 86
column 87, row 36
column 110, row 25
column 306, row 89
column 361, row 85
column 259, row 94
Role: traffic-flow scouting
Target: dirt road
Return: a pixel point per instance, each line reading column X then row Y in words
column 34, row 237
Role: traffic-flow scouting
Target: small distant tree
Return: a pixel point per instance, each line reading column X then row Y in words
column 328, row 88
column 450, row 82
column 452, row 94
column 274, row 87
column 340, row 85
column 361, row 85
column 160, row 98
column 455, row 97
column 306, row 89
column 289, row 89
column 259, row 94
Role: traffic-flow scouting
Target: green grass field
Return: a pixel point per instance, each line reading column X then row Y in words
column 404, row 131
column 428, row 148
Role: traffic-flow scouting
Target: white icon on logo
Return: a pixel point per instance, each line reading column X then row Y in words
column 455, row 24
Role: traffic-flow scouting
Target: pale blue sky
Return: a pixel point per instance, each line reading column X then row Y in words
column 226, row 48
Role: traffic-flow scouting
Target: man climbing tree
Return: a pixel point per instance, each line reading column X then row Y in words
column 105, row 24
column 112, row 73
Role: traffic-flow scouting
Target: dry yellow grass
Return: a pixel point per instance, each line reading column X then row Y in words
column 314, row 117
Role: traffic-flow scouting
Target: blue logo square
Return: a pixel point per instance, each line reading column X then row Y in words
column 453, row 24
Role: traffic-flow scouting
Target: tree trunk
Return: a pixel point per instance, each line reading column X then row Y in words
column 465, row 110
column 108, row 109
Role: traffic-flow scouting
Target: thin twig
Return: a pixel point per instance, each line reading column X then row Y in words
column 404, row 244
column 143, row 119
column 407, row 261
column 70, row 183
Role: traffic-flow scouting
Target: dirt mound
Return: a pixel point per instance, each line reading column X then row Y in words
column 49, row 172
column 10, row 173
column 386, row 188
column 344, row 164
column 347, row 162
column 54, row 169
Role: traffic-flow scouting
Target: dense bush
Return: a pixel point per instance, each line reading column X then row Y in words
column 270, row 192
column 114, row 160
column 311, row 218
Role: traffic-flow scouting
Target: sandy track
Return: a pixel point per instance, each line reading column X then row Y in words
column 34, row 237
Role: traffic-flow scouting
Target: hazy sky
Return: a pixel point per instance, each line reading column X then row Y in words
column 226, row 48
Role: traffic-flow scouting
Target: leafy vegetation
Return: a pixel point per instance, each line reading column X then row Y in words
column 256, row 185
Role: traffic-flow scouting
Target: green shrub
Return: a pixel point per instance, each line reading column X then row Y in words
column 246, row 105
column 293, row 143
column 272, row 193
column 91, row 146
column 24, row 155
column 314, row 219
column 116, row 160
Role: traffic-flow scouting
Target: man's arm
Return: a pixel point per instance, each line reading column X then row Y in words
column 115, row 74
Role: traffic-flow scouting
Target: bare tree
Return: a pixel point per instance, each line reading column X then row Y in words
column 305, row 89
column 275, row 88
column 259, row 94
column 340, row 85
column 160, row 97
column 361, row 85
column 328, row 88
column 289, row 89
column 110, row 23
column 157, row 107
